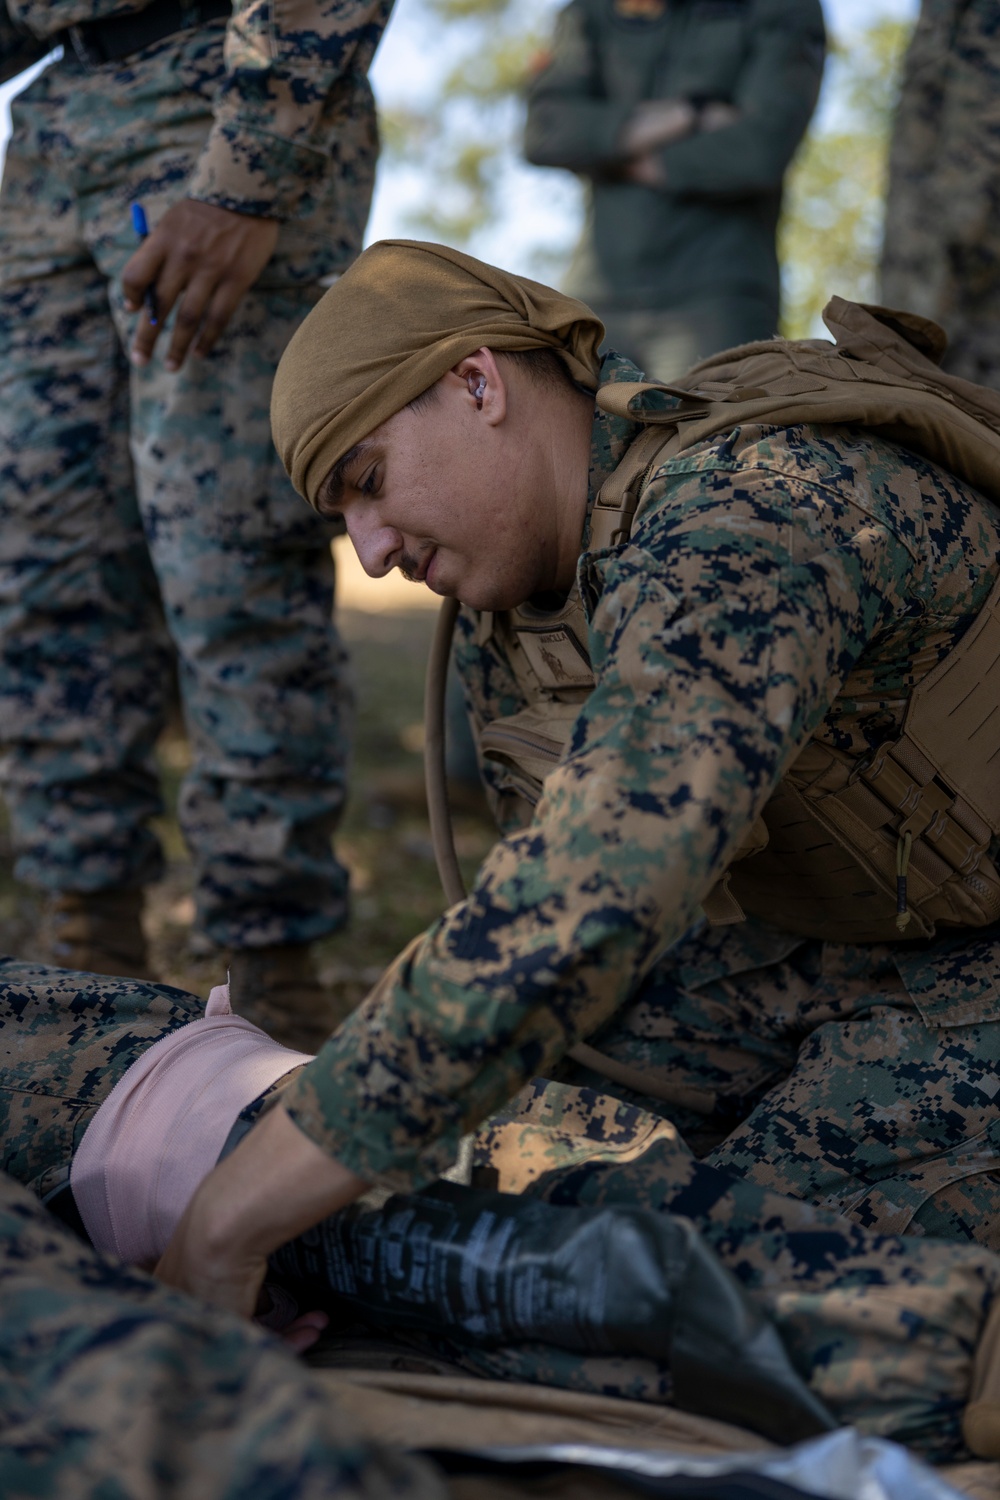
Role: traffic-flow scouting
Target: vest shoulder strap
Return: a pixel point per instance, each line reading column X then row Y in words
column 926, row 809
column 953, row 716
column 617, row 499
column 878, row 375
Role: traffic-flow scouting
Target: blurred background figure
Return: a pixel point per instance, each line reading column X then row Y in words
column 941, row 255
column 144, row 515
column 683, row 116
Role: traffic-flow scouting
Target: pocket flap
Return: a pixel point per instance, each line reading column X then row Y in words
column 956, row 982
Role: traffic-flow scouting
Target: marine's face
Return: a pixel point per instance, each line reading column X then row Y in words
column 448, row 495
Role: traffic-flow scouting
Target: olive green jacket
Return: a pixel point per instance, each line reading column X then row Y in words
column 712, row 230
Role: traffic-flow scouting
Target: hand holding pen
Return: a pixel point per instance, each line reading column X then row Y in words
column 142, row 230
column 201, row 260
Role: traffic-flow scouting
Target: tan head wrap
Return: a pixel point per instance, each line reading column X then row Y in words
column 403, row 315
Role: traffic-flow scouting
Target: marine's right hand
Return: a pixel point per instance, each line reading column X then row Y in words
column 204, row 258
column 276, row 1184
column 659, row 122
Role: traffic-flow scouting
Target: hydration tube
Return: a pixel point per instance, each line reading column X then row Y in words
column 680, row 1095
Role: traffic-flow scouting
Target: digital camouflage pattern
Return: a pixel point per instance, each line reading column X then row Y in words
column 778, row 584
column 291, row 106
column 885, row 1326
column 65, row 1041
column 122, row 487
column 942, row 242
column 680, row 272
column 113, row 1385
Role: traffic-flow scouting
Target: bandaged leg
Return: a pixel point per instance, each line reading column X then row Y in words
column 128, row 1089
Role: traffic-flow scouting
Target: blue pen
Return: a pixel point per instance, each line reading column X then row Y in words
column 142, row 230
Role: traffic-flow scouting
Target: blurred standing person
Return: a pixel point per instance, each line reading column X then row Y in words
column 142, row 507
column 683, row 116
column 942, row 233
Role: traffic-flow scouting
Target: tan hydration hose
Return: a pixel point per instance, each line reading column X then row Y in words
column 701, row 1101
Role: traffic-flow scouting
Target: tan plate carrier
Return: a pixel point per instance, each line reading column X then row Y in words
column 851, row 850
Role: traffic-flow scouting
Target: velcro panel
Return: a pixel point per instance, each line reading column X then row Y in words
column 954, row 715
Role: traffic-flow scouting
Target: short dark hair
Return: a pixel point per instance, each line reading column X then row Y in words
column 542, row 367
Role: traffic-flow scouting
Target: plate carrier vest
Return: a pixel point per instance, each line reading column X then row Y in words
column 848, row 849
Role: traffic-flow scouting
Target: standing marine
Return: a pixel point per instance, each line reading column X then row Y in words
column 682, row 117
column 144, row 515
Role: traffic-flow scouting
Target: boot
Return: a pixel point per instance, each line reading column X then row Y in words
column 276, row 988
column 99, row 932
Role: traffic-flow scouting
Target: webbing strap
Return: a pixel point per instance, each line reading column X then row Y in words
column 954, row 715
column 615, row 506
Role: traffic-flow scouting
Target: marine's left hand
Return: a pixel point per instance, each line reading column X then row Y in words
column 204, row 259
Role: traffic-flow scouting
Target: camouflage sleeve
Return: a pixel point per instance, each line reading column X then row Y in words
column 284, row 60
column 569, row 123
column 776, row 94
column 720, row 635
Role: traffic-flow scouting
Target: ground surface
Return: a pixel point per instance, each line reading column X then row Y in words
column 384, row 839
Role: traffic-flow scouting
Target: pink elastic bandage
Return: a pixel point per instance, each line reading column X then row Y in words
column 161, row 1129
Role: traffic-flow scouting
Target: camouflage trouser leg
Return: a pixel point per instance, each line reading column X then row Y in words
column 65, row 1040
column 884, row 1326
column 242, row 566
column 941, row 256
column 113, row 1385
column 830, row 1085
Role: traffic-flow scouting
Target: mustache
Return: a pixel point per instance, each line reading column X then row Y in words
column 411, row 566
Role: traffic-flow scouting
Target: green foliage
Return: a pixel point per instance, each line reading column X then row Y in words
column 464, row 141
column 831, row 232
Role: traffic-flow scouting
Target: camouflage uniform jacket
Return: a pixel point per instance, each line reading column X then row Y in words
column 779, row 584
column 711, row 228
column 295, row 99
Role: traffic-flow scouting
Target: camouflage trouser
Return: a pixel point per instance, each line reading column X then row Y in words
column 666, row 342
column 122, row 491
column 114, row 1386
column 65, row 1040
column 829, row 1083
column 885, row 1326
column 941, row 255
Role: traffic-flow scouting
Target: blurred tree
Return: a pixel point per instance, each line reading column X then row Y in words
column 831, row 231
column 464, row 141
